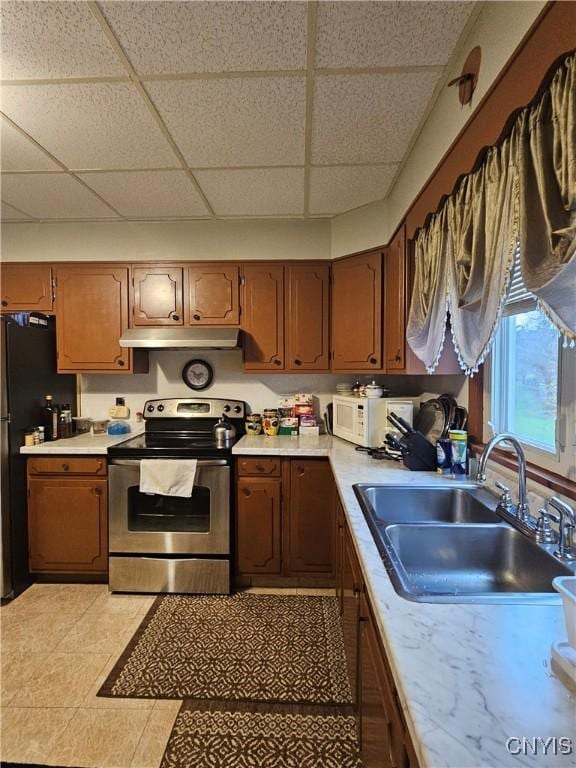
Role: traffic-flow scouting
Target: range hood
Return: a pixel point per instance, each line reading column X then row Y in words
column 180, row 338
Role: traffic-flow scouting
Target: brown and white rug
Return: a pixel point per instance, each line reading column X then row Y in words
column 207, row 735
column 243, row 647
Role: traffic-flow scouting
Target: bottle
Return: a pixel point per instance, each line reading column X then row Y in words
column 41, row 434
column 50, row 418
column 67, row 414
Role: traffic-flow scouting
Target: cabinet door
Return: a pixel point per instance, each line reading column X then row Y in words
column 212, row 294
column 307, row 313
column 68, row 524
column 350, row 589
column 395, row 303
column 263, row 316
column 258, row 525
column 92, row 312
column 26, row 287
column 357, row 313
column 157, row 296
column 310, row 519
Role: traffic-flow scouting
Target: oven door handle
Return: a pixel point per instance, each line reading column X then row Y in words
column 136, row 462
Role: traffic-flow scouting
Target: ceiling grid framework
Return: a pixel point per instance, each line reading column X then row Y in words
column 163, row 111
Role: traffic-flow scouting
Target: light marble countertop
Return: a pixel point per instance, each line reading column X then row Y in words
column 469, row 676
column 81, row 444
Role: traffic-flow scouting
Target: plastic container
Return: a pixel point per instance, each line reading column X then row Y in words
column 82, row 424
column 99, row 426
column 117, row 427
column 566, row 586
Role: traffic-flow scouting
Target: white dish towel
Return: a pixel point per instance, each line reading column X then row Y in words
column 168, row 477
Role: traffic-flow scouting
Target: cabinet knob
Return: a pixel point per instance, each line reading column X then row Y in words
column 259, row 468
column 373, row 360
column 175, row 317
column 4, row 303
column 246, row 492
column 66, row 467
column 398, row 356
column 196, row 316
column 120, row 362
column 277, row 362
column 97, row 491
column 297, row 362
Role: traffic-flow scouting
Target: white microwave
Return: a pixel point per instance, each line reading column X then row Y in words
column 363, row 420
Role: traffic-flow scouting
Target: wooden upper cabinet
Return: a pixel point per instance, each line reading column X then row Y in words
column 26, row 287
column 310, row 519
column 92, row 313
column 212, row 294
column 307, row 317
column 357, row 313
column 395, row 303
column 157, row 296
column 263, row 316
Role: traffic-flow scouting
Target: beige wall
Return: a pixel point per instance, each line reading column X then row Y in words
column 197, row 240
column 498, row 30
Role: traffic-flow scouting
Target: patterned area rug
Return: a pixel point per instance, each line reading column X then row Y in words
column 243, row 647
column 261, row 736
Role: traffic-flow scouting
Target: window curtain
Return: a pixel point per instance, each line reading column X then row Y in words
column 523, row 195
column 483, row 218
column 545, row 136
column 427, row 319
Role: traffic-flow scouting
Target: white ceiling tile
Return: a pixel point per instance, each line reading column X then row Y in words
column 177, row 37
column 11, row 214
column 338, row 189
column 367, row 118
column 260, row 192
column 148, row 194
column 52, row 196
column 388, row 34
column 53, row 40
column 90, row 125
column 236, row 121
column 19, row 154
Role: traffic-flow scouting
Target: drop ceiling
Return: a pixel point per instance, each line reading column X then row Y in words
column 200, row 110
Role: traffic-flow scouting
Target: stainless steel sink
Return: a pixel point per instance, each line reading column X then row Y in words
column 446, row 544
column 431, row 504
column 468, row 564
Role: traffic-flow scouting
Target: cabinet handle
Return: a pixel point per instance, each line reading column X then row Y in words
column 297, row 362
column 175, row 317
column 4, row 303
column 373, row 360
column 120, row 362
column 97, row 491
column 65, row 467
column 196, row 316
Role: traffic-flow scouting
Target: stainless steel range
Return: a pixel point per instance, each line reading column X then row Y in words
column 161, row 543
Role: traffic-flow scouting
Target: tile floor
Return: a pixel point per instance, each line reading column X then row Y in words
column 58, row 644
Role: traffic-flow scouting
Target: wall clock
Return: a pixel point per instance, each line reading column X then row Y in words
column 197, row 374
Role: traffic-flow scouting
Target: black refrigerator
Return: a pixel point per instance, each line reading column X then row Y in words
column 28, row 360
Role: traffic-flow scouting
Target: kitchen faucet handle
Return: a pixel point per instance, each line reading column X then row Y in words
column 567, row 519
column 545, row 534
column 505, row 497
column 502, row 486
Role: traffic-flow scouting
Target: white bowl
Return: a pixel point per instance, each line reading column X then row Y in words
column 566, row 585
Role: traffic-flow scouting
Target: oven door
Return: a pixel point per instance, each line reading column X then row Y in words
column 156, row 524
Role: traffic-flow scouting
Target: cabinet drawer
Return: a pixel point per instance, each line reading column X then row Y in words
column 259, row 467
column 67, row 465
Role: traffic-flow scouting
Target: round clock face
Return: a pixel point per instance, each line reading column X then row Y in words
column 198, row 374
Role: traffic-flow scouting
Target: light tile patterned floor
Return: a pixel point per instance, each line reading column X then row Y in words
column 58, row 643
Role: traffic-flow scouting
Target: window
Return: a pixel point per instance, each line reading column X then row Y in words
column 530, row 383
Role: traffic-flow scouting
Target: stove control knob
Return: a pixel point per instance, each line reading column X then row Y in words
column 237, row 408
column 226, row 409
column 160, row 407
column 150, row 408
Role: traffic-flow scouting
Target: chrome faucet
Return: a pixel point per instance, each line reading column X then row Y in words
column 567, row 523
column 518, row 514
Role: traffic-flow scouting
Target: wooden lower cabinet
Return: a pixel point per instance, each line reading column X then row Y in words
column 309, row 526
column 258, row 525
column 383, row 735
column 285, row 524
column 68, row 524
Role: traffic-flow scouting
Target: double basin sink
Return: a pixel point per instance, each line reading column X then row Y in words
column 445, row 544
